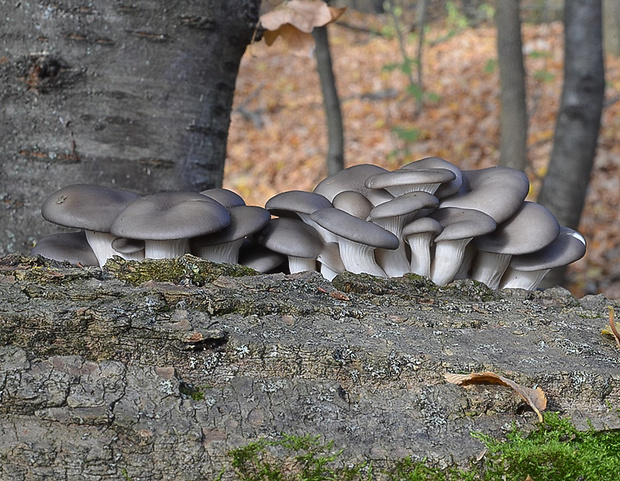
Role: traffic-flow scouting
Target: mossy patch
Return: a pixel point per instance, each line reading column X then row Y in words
column 185, row 269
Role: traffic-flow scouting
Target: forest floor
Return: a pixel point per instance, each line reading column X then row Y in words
column 278, row 137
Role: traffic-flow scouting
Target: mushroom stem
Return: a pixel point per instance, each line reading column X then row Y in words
column 516, row 279
column 165, row 249
column 225, row 253
column 393, row 261
column 359, row 258
column 420, row 245
column 301, row 264
column 101, row 244
column 489, row 268
column 449, row 255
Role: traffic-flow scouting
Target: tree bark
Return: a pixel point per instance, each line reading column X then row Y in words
column 136, row 95
column 331, row 102
column 513, row 121
column 155, row 370
column 565, row 184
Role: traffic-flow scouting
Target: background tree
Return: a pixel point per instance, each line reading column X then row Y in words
column 513, row 121
column 565, row 185
column 135, row 95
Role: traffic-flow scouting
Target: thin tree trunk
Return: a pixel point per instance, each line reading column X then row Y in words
column 421, row 22
column 579, row 119
column 513, row 123
column 331, row 102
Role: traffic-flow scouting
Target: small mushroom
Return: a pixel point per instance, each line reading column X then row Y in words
column 71, row 247
column 295, row 239
column 420, row 234
column 260, row 258
column 403, row 181
column 132, row 249
column 223, row 245
column 357, row 239
column 353, row 178
column 298, row 203
column 91, row 208
column 529, row 229
column 166, row 221
column 460, row 226
column 447, row 188
column 354, row 203
column 528, row 270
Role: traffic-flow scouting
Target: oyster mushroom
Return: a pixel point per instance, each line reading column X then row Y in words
column 91, row 208
column 166, row 221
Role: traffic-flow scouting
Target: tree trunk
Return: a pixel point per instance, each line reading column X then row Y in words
column 331, row 102
column 136, row 95
column 566, row 182
column 513, row 122
column 155, row 370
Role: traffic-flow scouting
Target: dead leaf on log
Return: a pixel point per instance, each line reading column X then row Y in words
column 294, row 22
column 535, row 398
column 611, row 329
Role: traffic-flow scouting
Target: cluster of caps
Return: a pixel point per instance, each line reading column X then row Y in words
column 427, row 217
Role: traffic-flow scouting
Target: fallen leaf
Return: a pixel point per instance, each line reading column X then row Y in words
column 611, row 330
column 535, row 398
column 295, row 20
column 339, row 295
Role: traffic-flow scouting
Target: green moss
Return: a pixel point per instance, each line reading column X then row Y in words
column 555, row 450
column 187, row 268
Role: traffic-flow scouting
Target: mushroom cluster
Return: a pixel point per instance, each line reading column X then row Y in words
column 427, row 217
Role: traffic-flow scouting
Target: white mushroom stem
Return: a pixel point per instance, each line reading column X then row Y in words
column 449, row 255
column 165, row 249
column 101, row 244
column 468, row 259
column 489, row 268
column 328, row 273
column 225, row 253
column 359, row 258
column 420, row 245
column 301, row 264
column 516, row 279
column 393, row 261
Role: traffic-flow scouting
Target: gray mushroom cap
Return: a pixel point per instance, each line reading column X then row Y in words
column 355, row 229
column 297, row 201
column 404, row 204
column 354, row 203
column 291, row 237
column 496, row 191
column 71, row 247
column 529, row 229
column 446, row 188
column 226, row 197
column 462, row 223
column 422, row 225
column 568, row 247
column 401, row 181
column 353, row 178
column 170, row 215
column 245, row 220
column 86, row 206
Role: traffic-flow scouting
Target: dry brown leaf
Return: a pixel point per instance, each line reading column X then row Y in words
column 535, row 398
column 295, row 20
column 611, row 328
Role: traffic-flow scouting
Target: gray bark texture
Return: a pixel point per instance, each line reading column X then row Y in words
column 513, row 121
column 155, row 370
column 135, row 95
